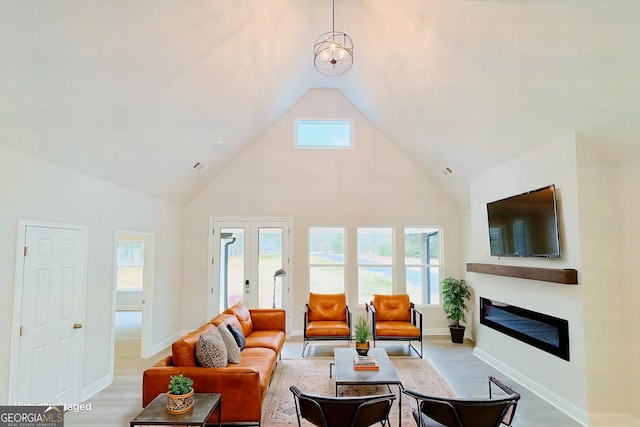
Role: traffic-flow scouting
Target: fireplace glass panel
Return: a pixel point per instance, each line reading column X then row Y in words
column 542, row 331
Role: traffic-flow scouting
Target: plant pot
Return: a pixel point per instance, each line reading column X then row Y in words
column 180, row 403
column 362, row 348
column 457, row 334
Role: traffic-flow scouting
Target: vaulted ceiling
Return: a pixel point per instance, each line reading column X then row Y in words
column 137, row 92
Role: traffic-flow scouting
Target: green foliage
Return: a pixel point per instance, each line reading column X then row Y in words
column 384, row 249
column 362, row 330
column 455, row 294
column 179, row 384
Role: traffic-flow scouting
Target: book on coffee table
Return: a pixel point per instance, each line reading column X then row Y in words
column 365, row 363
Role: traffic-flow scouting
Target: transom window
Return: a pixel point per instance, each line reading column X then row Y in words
column 326, row 134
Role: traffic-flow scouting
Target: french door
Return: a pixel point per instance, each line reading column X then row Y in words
column 247, row 259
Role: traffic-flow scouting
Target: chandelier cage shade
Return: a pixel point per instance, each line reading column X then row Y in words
column 333, row 54
column 333, row 51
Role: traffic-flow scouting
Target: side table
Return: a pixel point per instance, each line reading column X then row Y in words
column 156, row 412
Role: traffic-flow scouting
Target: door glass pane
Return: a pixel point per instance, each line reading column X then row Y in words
column 326, row 260
column 269, row 261
column 231, row 266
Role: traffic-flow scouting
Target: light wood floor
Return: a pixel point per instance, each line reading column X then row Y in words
column 121, row 401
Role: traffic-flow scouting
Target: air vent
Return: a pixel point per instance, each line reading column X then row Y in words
column 446, row 171
column 199, row 167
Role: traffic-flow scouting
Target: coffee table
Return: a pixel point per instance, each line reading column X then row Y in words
column 156, row 414
column 386, row 375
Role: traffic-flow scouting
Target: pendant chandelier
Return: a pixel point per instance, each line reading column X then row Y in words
column 333, row 51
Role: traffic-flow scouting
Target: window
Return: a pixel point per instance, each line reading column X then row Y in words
column 326, row 260
column 422, row 264
column 328, row 134
column 375, row 262
column 129, row 262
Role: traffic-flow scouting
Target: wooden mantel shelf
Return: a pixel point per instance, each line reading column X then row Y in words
column 565, row 276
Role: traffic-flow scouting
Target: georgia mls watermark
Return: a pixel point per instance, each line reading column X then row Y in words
column 32, row 416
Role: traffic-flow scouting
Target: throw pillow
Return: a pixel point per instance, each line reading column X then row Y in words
column 238, row 336
column 211, row 352
column 233, row 351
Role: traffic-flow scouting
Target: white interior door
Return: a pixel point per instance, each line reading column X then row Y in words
column 246, row 255
column 49, row 362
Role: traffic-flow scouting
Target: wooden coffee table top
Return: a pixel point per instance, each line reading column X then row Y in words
column 156, row 412
column 346, row 375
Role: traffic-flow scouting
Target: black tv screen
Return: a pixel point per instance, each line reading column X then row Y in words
column 525, row 225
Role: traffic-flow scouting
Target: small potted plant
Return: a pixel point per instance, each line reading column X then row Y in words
column 455, row 294
column 362, row 335
column 180, row 394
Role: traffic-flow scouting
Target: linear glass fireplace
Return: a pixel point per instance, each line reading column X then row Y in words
column 542, row 331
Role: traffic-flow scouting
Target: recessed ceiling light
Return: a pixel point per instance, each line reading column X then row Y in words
column 218, row 145
column 431, row 148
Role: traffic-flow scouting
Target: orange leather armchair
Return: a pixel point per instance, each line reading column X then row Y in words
column 326, row 317
column 395, row 318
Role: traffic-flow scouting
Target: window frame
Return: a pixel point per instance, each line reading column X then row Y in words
column 342, row 265
column 393, row 265
column 298, row 120
column 439, row 265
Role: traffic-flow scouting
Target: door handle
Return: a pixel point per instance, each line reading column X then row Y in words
column 246, row 286
column 77, row 325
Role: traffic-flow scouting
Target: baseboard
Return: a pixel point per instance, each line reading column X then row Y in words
column 164, row 344
column 578, row 414
column 96, row 387
column 613, row 420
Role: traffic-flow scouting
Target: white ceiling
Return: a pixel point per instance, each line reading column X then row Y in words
column 136, row 92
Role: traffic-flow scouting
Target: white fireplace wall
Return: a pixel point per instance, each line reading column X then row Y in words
column 566, row 382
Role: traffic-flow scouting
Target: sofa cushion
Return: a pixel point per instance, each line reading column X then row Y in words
column 211, row 352
column 263, row 360
column 392, row 307
column 267, row 339
column 238, row 336
column 242, row 313
column 183, row 351
column 233, row 351
column 327, row 307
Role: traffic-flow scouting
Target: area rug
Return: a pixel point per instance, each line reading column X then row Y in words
column 311, row 375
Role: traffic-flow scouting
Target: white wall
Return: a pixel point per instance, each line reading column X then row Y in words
column 374, row 184
column 35, row 190
column 598, row 224
column 554, row 163
column 628, row 210
column 601, row 262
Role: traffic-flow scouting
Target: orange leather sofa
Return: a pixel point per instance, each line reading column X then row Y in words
column 395, row 318
column 326, row 317
column 243, row 385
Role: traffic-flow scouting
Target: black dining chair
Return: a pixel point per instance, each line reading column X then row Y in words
column 326, row 411
column 496, row 411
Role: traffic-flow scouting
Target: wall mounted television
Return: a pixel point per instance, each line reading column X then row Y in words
column 525, row 225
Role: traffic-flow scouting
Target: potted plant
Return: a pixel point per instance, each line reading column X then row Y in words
column 455, row 294
column 180, row 394
column 362, row 334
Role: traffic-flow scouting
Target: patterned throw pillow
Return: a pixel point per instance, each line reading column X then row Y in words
column 238, row 336
column 211, row 352
column 233, row 351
